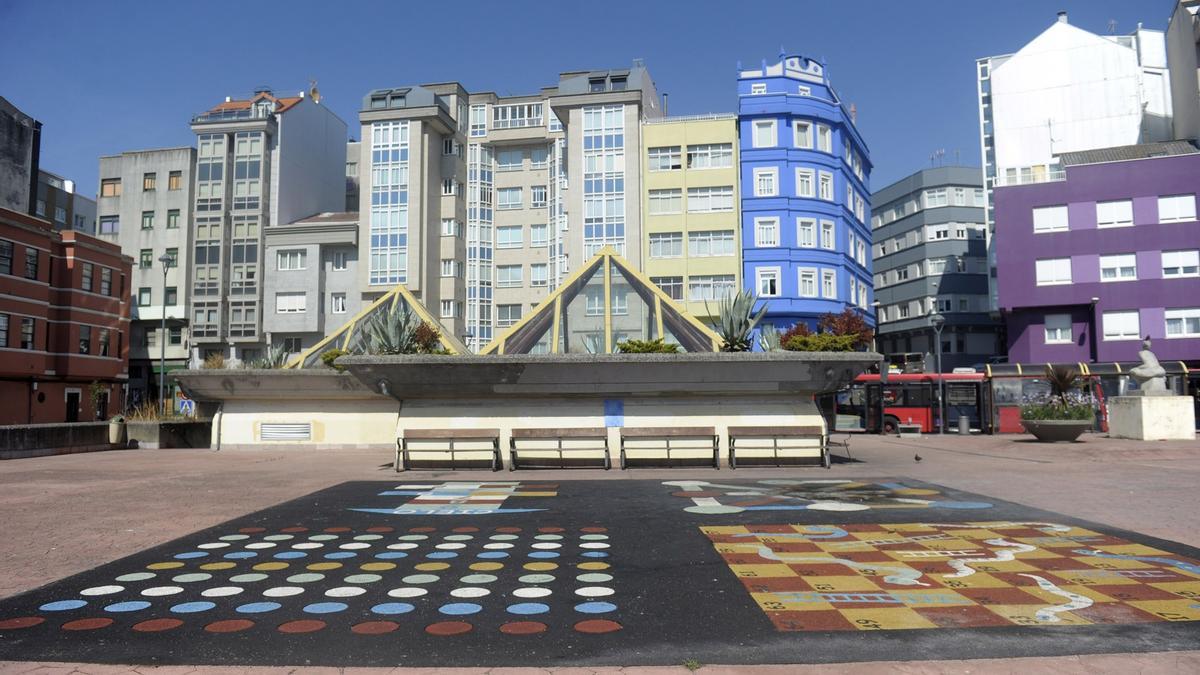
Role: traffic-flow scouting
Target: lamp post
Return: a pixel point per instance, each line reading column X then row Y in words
column 938, row 321
column 166, row 261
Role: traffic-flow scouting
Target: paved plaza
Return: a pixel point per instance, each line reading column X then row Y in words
column 1083, row 556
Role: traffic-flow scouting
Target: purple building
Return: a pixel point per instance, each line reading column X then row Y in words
column 1108, row 253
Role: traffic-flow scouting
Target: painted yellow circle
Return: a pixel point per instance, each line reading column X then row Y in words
column 379, row 567
column 320, row 567
column 164, row 566
column 486, row 567
column 540, row 567
column 593, row 566
column 914, row 492
column 431, row 567
column 218, row 566
column 271, row 566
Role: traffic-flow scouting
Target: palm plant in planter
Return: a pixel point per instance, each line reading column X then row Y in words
column 1065, row 414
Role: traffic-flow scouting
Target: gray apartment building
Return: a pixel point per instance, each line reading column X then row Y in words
column 930, row 256
column 145, row 207
column 353, row 152
column 20, row 152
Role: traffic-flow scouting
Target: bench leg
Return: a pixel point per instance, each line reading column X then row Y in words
column 732, row 454
column 497, row 462
column 622, row 454
column 512, row 454
column 399, row 448
column 717, row 453
column 607, row 457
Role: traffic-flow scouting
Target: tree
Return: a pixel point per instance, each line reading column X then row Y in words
column 849, row 322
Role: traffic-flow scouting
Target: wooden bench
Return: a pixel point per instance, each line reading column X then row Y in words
column 703, row 440
column 795, row 442
column 909, row 430
column 452, row 440
column 554, row 444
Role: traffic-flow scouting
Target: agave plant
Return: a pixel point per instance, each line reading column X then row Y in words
column 392, row 332
column 769, row 339
column 1063, row 380
column 276, row 358
column 735, row 319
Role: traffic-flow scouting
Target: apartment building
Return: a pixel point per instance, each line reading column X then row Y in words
column 261, row 161
column 1068, row 90
column 145, row 207
column 930, row 257
column 59, row 202
column 1183, row 59
column 353, row 157
column 690, row 253
column 20, row 150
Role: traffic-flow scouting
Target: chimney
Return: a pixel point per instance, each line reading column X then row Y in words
column 228, row 99
column 664, row 104
column 853, row 113
column 1062, row 16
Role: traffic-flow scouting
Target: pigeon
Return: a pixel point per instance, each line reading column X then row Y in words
column 917, row 457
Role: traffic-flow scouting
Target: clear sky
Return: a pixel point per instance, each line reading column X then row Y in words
column 104, row 76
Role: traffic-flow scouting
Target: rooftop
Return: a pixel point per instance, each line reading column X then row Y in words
column 1125, row 153
column 328, row 217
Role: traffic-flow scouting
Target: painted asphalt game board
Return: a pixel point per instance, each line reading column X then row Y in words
column 494, row 572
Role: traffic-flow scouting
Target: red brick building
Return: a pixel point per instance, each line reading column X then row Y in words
column 64, row 323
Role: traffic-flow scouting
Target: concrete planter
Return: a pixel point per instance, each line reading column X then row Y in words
column 170, row 434
column 1054, row 431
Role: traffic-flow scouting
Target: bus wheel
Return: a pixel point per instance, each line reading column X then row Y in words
column 891, row 425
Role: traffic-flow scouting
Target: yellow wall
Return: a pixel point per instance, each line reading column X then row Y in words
column 683, row 133
column 335, row 424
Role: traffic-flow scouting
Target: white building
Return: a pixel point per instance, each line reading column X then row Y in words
column 1068, row 90
column 1183, row 53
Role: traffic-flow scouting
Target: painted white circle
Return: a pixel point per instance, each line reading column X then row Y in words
column 536, row 579
column 241, row 578
column 595, row 578
column 283, row 591
column 362, row 578
column 368, row 537
column 192, row 577
column 546, row 545
column 407, row 592
column 594, row 545
column 469, row 592
column 713, row 510
column 261, row 544
column 137, row 576
column 305, row 578
column 345, row 592
column 279, row 537
column 497, row 547
column 594, row 591
column 413, row 537
column 402, row 547
column 420, row 579
column 102, row 590
column 215, row 544
column 532, row 592
column 503, row 537
column 234, row 537
column 323, row 537
column 594, row 537
column 452, row 546
column 548, row 537
column 353, row 546
column 459, row 537
column 162, row 590
column 837, row 506
column 221, row 591
column 478, row 578
column 304, row 546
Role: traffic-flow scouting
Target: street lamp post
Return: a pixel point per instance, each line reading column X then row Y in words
column 166, row 261
column 938, row 321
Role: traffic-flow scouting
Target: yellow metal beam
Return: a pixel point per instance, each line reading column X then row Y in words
column 554, row 333
column 608, row 346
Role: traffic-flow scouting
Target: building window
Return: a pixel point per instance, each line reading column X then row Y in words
column 664, row 158
column 171, row 294
column 1118, row 267
column 710, row 287
column 388, row 243
column 539, row 157
column 766, row 182
column 103, row 342
column 449, row 147
column 509, row 276
column 1058, row 329
column 337, row 303
column 808, row 283
column 105, row 281
column 757, row 88
column 60, row 214
column 665, row 202
column 510, row 236
column 339, row 261
column 1050, row 219
column 826, row 185
column 806, row 232
column 110, row 187
column 175, row 180
column 517, row 116
column 6, row 256
column 27, row 328
column 512, row 159
column 3, row 330
column 537, row 197
column 146, row 258
column 1181, row 263
column 449, row 187
column 109, row 225
column 144, row 296
column 291, row 259
column 828, row 235
column 666, row 245
column 149, row 182
column 1052, row 271
column 507, row 315
column 824, row 138
column 1183, row 323
column 768, row 281
column 712, row 156
column 173, row 254
column 1121, row 325
column 508, row 198
column 1114, row 214
column 293, row 345
column 829, row 284
column 85, row 339
column 764, row 134
column 172, row 219
column 936, row 197
column 31, row 263
column 147, row 220
column 766, row 231
column 802, row 136
column 539, row 235
column 451, row 228
column 175, row 336
column 292, row 302
column 539, row 274
column 710, row 199
column 672, row 286
column 449, row 268
column 478, row 120
column 805, row 183
column 1176, row 208
column 149, row 337
column 40, row 207
column 711, row 243
column 86, row 277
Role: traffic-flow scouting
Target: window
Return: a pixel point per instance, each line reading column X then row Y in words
column 1114, row 214
column 175, row 180
column 171, row 294
column 103, row 342
column 447, row 307
column 539, row 157
column 450, row 268
column 806, row 183
column 146, row 258
column 539, row 235
column 175, row 336
column 1122, row 325
column 594, row 302
column 517, row 116
column 1050, row 219
column 147, row 220
column 510, row 236
column 337, row 303
column 1058, row 329
column 808, row 283
column 665, row 201
column 510, row 160
column 758, row 88
column 1176, row 208
column 449, row 147
column 145, row 297
column 110, row 187
column 666, row 158
column 291, row 259
column 31, row 263
column 6, row 256
column 824, row 138
column 60, row 214
column 40, row 207
column 86, row 274
column 109, row 224
column 766, row 182
column 451, row 228
column 478, row 120
column 803, row 90
column 714, row 156
column 802, row 134
column 449, row 187
column 766, row 231
column 828, row 235
column 149, row 182
column 764, row 134
column 27, row 328
column 710, row 287
column 292, row 302
column 539, row 274
column 105, row 281
column 806, row 232
column 826, row 185
column 709, row 244
column 1052, row 271
column 1183, row 323
column 768, row 281
column 85, row 339
column 666, row 245
column 508, row 198
column 339, row 261
column 672, row 286
column 829, row 284
column 1118, row 267
column 3, row 330
column 710, row 199
column 537, row 197
column 935, row 197
column 507, row 315
column 508, row 276
column 1181, row 263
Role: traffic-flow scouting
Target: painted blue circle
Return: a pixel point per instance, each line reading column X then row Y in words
column 191, row 554
column 391, row 555
column 492, row 554
column 393, row 608
column 325, row 607
column 459, row 608
column 595, row 607
column 441, row 555
column 288, row 555
column 544, row 554
column 62, row 605
column 258, row 607
column 190, row 607
column 528, row 608
column 238, row 555
column 338, row 555
column 130, row 606
column 595, row 554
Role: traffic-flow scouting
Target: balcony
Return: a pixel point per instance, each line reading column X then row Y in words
column 215, row 116
column 1029, row 178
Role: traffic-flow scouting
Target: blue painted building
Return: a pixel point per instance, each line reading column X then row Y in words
column 806, row 237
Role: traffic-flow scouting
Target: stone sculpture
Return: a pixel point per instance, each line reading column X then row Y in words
column 1150, row 376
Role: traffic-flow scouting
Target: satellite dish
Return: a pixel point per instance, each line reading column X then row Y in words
column 313, row 93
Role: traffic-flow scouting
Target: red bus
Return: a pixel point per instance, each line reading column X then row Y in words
column 873, row 405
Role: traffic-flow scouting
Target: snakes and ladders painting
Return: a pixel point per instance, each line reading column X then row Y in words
column 461, row 498
column 954, row 575
column 809, row 495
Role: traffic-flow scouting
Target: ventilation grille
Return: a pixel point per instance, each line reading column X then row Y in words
column 286, row 432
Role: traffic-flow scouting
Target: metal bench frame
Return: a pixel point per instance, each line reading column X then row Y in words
column 775, row 434
column 558, row 435
column 451, row 437
column 669, row 433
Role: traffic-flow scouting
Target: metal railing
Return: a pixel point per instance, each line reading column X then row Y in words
column 251, row 113
column 1044, row 177
column 690, row 118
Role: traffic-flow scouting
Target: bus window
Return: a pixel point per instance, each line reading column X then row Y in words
column 918, row 395
column 893, row 396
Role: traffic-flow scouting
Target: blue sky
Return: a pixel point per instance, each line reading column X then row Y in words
column 104, row 77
